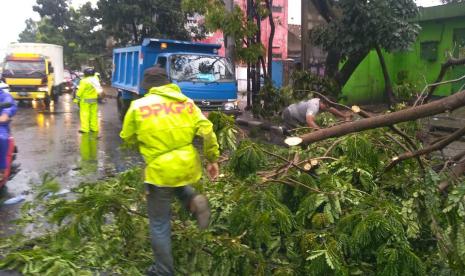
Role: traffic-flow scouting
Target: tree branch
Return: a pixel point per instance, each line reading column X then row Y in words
column 434, row 147
column 269, row 5
column 365, row 114
column 284, row 159
column 447, row 104
column 444, row 67
column 457, row 171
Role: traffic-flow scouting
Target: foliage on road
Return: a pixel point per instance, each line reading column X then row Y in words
column 327, row 209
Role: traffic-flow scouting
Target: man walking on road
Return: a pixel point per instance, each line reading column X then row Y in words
column 86, row 97
column 164, row 124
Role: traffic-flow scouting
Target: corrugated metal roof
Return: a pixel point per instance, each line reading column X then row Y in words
column 447, row 11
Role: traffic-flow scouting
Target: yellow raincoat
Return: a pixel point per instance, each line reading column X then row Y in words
column 164, row 124
column 86, row 96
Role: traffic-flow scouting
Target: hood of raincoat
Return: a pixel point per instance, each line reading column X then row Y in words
column 170, row 91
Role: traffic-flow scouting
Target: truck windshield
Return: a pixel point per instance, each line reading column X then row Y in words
column 200, row 68
column 24, row 68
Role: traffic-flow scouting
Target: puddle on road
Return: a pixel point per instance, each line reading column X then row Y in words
column 48, row 142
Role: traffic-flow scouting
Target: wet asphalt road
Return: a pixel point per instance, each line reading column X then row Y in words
column 49, row 143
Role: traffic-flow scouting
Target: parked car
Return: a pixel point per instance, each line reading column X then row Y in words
column 67, row 85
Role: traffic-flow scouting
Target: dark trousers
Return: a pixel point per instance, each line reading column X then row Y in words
column 159, row 211
column 289, row 121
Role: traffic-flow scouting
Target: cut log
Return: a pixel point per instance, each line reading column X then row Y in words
column 446, row 104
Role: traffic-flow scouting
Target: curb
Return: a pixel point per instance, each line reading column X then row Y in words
column 260, row 125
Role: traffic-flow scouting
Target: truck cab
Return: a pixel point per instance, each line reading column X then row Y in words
column 30, row 76
column 202, row 75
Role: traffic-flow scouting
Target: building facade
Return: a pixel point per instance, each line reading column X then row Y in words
column 442, row 37
column 280, row 40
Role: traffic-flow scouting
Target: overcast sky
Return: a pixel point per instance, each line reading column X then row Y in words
column 15, row 13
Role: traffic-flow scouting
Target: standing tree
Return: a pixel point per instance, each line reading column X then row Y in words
column 29, row 34
column 357, row 27
column 131, row 21
column 56, row 10
column 245, row 28
column 84, row 36
column 78, row 31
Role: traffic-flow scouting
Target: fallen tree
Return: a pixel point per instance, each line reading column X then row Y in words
column 275, row 211
column 434, row 147
column 457, row 168
column 447, row 104
column 444, row 68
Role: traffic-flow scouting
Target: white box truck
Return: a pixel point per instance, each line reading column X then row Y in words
column 34, row 71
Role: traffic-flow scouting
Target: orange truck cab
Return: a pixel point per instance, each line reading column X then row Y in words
column 30, row 76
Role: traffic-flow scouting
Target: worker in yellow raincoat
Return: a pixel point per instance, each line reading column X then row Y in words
column 86, row 97
column 163, row 124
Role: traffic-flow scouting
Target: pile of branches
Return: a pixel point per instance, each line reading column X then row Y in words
column 330, row 208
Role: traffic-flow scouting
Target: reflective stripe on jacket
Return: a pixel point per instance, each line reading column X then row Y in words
column 87, row 89
column 164, row 124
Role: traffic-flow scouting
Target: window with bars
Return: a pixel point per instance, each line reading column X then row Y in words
column 277, row 9
column 429, row 50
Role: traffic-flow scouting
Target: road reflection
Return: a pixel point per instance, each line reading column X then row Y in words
column 88, row 150
column 48, row 142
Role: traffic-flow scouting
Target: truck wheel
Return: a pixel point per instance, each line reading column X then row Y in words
column 47, row 101
column 56, row 94
column 118, row 106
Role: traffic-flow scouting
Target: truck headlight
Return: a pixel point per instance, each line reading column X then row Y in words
column 43, row 88
column 229, row 106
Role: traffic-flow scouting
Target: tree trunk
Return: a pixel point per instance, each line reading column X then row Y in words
column 134, row 32
column 325, row 9
column 250, row 78
column 264, row 69
column 249, row 96
column 229, row 40
column 333, row 59
column 258, row 37
column 387, row 79
column 269, row 5
column 446, row 104
column 349, row 67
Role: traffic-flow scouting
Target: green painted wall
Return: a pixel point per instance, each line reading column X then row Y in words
column 367, row 83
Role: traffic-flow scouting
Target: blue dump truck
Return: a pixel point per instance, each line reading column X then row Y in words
column 200, row 72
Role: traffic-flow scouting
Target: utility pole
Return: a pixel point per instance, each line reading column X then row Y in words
column 229, row 40
column 249, row 65
column 304, row 34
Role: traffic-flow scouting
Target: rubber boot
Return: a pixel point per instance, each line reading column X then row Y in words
column 199, row 207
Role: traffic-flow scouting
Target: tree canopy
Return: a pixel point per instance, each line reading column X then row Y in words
column 83, row 32
column 130, row 21
column 354, row 28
